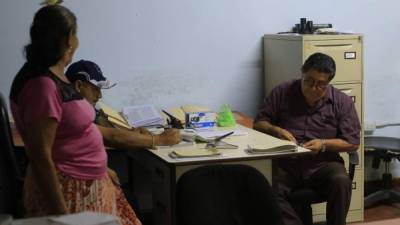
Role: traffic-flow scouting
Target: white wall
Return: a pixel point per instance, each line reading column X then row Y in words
column 208, row 52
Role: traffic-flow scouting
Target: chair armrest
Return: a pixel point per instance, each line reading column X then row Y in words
column 353, row 158
column 353, row 161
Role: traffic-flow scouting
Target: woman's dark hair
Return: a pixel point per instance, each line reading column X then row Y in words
column 320, row 62
column 49, row 33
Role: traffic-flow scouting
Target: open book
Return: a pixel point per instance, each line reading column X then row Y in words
column 142, row 115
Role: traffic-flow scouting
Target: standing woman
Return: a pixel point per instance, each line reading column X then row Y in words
column 67, row 172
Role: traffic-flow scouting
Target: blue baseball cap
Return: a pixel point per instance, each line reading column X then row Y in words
column 88, row 71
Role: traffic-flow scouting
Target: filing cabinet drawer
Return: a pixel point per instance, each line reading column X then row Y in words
column 355, row 92
column 347, row 54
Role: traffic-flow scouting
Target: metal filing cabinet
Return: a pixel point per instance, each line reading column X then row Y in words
column 284, row 54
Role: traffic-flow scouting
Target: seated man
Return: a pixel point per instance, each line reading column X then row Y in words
column 314, row 114
column 88, row 80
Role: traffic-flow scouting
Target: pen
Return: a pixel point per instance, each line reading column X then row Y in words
column 223, row 136
column 173, row 121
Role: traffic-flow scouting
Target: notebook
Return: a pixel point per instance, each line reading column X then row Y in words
column 191, row 153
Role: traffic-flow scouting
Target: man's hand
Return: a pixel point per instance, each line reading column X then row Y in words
column 284, row 134
column 170, row 137
column 113, row 175
column 314, row 145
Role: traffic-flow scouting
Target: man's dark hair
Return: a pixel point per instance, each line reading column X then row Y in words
column 320, row 62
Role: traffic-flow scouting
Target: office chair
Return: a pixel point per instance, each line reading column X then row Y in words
column 302, row 198
column 225, row 195
column 10, row 175
column 386, row 149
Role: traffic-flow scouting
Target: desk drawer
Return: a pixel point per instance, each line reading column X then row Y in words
column 163, row 184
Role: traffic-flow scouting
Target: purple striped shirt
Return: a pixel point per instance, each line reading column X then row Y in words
column 334, row 116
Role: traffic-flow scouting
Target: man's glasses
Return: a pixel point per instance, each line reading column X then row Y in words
column 321, row 85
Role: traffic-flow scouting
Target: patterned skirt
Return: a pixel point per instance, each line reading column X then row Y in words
column 100, row 195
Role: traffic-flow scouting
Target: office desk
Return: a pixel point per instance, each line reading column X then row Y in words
column 165, row 171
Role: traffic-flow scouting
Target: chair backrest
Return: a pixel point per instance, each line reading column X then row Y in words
column 226, row 195
column 10, row 175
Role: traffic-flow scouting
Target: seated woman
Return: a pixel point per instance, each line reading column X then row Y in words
column 88, row 80
column 67, row 172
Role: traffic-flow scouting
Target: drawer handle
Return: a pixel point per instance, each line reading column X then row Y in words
column 354, row 185
column 353, row 98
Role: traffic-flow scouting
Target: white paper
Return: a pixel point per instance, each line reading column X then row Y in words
column 86, row 218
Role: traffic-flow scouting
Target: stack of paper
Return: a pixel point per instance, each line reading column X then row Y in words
column 274, row 148
column 142, row 116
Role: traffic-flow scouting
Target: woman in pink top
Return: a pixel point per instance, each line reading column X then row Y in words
column 68, row 163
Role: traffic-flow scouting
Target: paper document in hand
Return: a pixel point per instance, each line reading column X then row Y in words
column 86, row 218
column 143, row 115
column 189, row 153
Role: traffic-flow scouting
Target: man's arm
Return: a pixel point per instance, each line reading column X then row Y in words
column 333, row 145
column 268, row 128
column 131, row 139
column 349, row 128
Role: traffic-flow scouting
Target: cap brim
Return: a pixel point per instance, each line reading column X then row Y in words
column 104, row 84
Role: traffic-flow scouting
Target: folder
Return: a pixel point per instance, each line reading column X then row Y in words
column 113, row 116
column 192, row 153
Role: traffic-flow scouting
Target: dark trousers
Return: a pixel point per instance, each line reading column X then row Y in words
column 330, row 180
